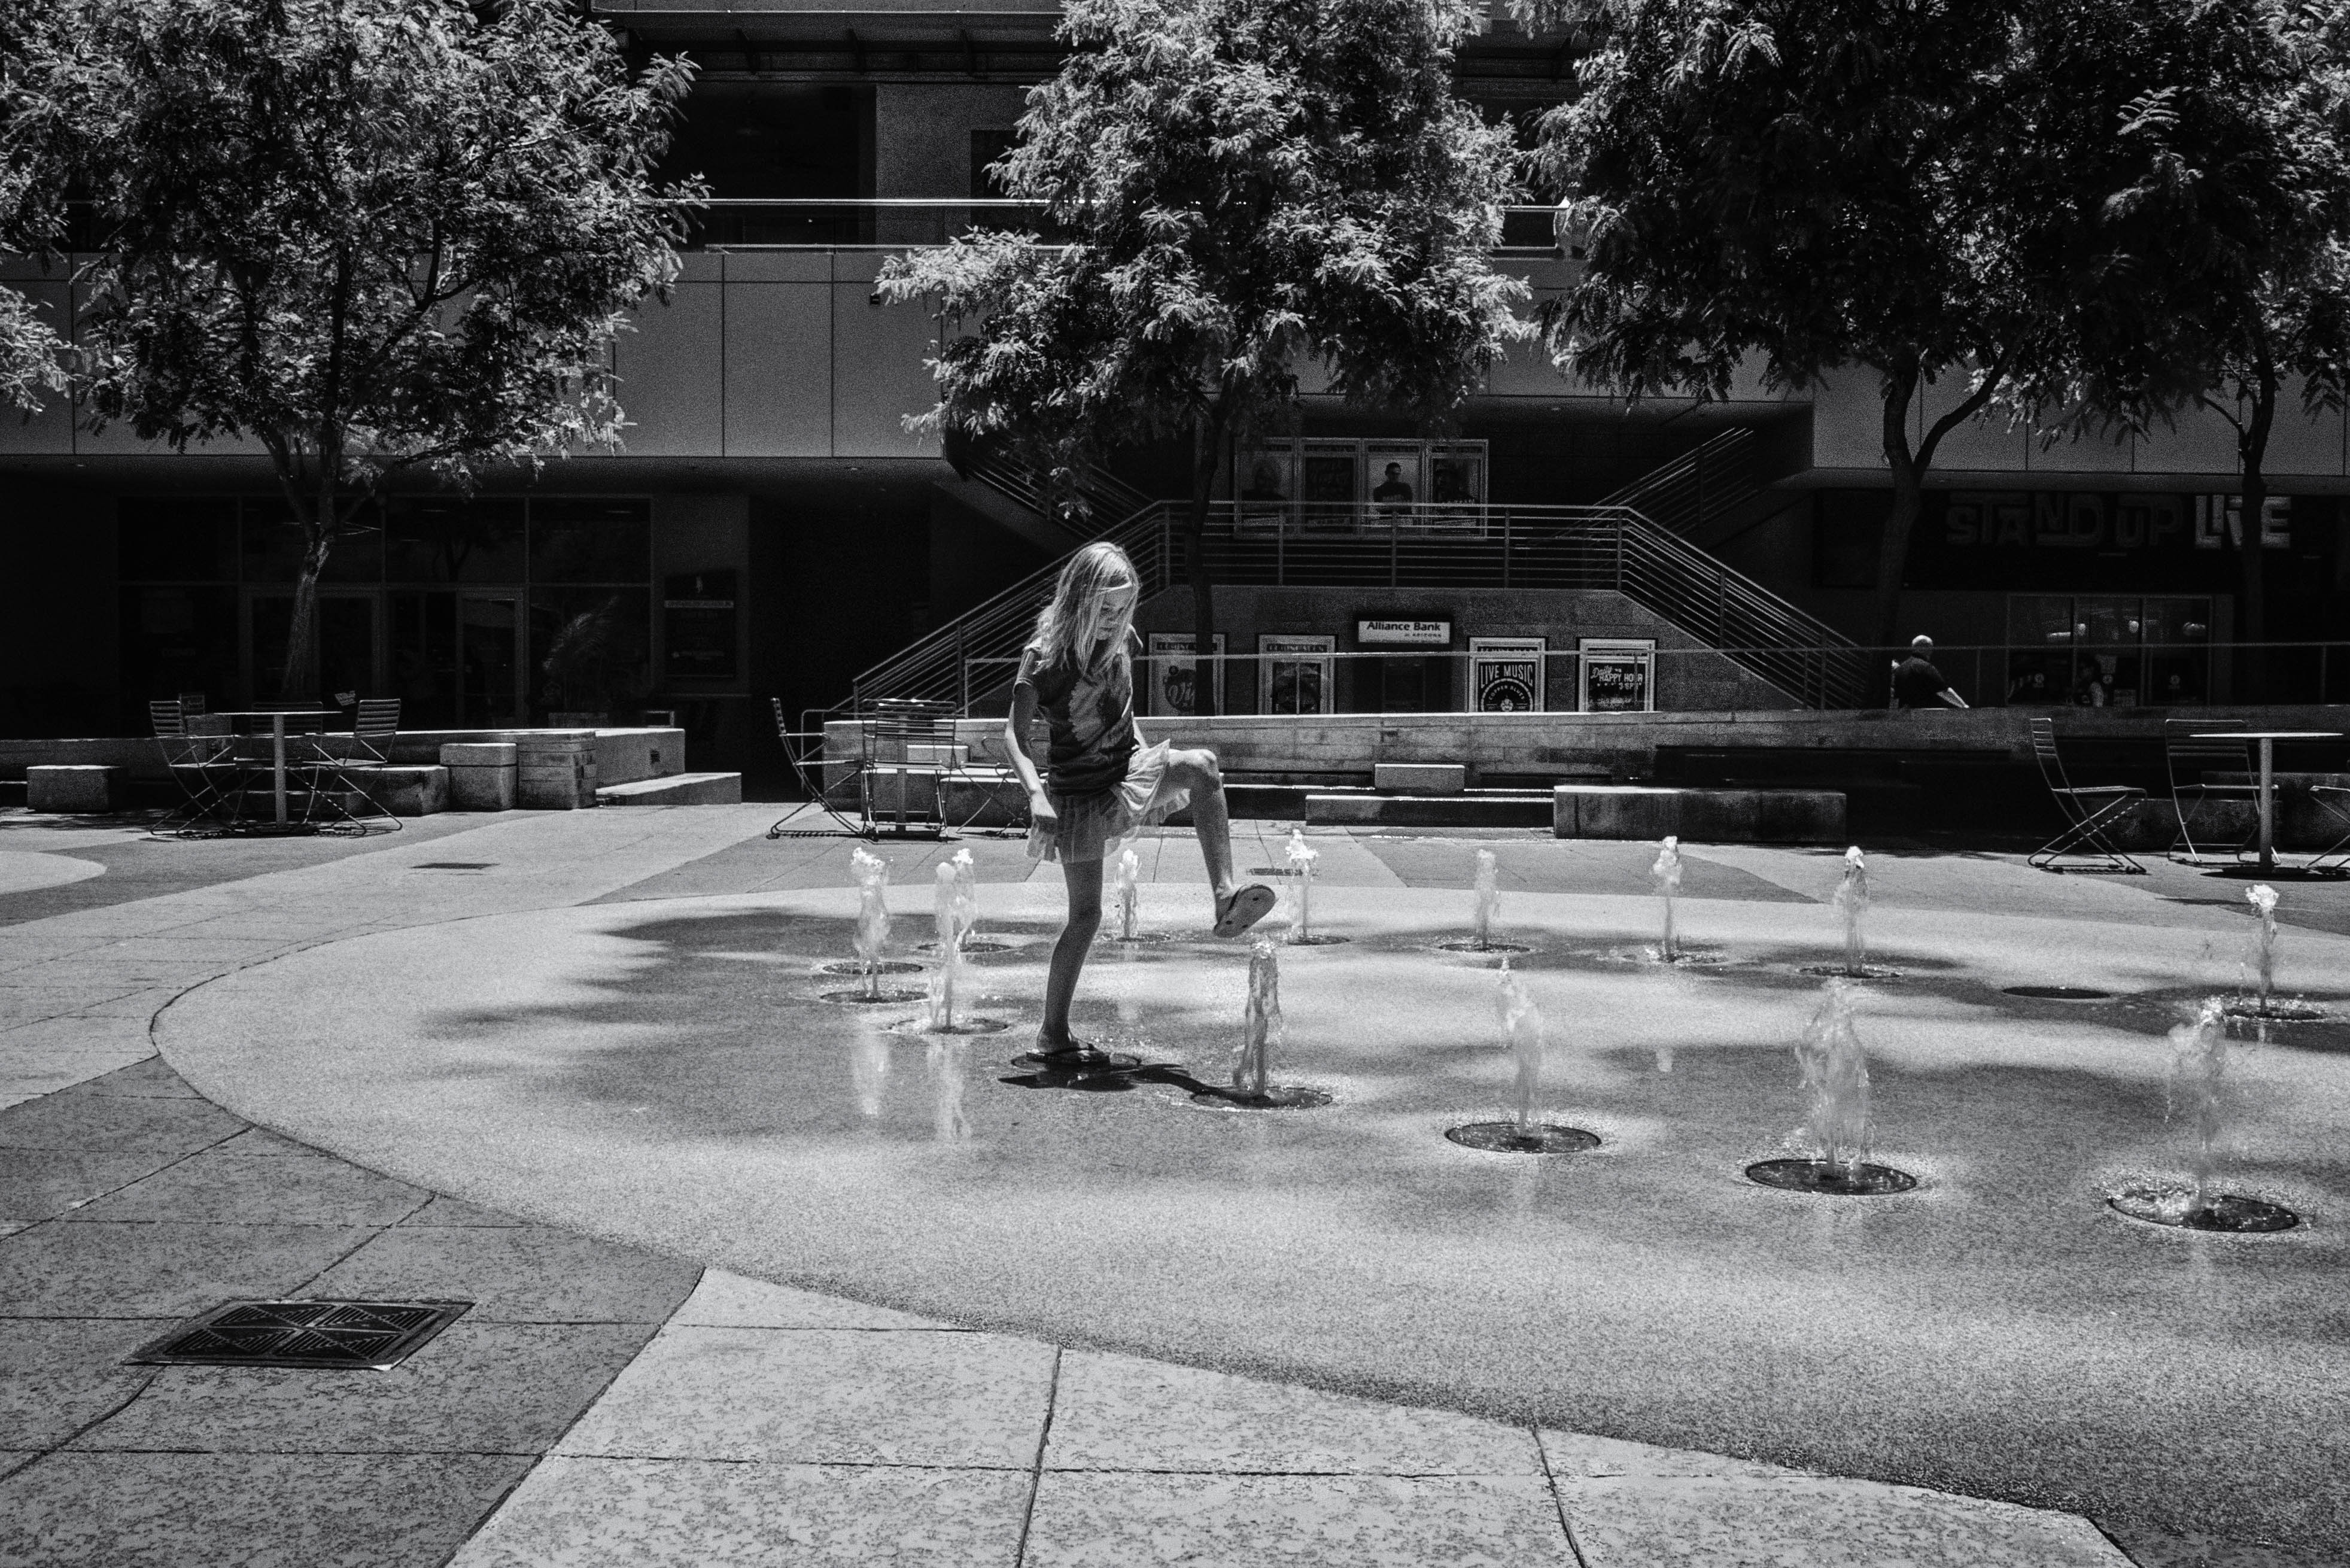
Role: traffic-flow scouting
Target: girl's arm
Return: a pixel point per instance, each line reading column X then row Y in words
column 1017, row 726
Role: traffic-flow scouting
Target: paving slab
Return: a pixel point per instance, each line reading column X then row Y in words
column 826, row 1397
column 161, row 1269
column 477, row 1388
column 514, row 1274
column 266, row 1511
column 635, row 1513
column 1087, row 1520
column 446, row 1210
column 1815, row 1522
column 76, row 1120
column 36, row 1183
column 151, row 1077
column 59, row 1375
column 228, row 1188
column 725, row 1300
column 1124, row 1413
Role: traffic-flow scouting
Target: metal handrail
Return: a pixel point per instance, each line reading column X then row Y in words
column 1589, row 547
column 1696, row 486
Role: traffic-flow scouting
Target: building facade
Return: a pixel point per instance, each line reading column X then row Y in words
column 770, row 528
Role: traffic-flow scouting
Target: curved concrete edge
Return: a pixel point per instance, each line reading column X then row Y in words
column 26, row 871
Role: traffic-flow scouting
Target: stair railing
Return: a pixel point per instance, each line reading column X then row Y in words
column 1684, row 494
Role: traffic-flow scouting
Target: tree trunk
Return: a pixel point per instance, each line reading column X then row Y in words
column 1909, row 501
column 1209, row 438
column 2252, row 456
column 300, row 683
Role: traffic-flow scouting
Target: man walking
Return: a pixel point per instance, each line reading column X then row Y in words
column 1917, row 684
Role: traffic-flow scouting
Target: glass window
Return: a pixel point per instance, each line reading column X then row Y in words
column 590, row 649
column 591, row 541
column 272, row 548
column 177, row 640
column 178, row 539
column 450, row 539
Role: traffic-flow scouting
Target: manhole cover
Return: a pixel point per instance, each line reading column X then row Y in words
column 1819, row 1176
column 959, row 1026
column 369, row 1336
column 1509, row 1137
column 1845, row 972
column 1466, row 945
column 887, row 966
column 1319, row 939
column 973, row 945
column 453, row 865
column 2060, row 994
column 1271, row 871
column 2231, row 1212
column 891, row 993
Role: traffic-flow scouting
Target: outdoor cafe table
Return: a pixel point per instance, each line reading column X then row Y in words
column 2268, row 740
column 277, row 717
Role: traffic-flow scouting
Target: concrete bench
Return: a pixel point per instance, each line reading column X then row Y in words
column 404, row 789
column 1719, row 815
column 483, row 774
column 1420, row 778
column 76, row 787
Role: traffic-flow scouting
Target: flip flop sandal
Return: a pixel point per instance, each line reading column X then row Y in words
column 1247, row 906
column 1083, row 1054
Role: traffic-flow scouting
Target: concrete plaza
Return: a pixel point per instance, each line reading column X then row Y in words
column 757, row 1281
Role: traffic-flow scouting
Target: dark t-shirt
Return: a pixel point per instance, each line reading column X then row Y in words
column 1916, row 684
column 1091, row 716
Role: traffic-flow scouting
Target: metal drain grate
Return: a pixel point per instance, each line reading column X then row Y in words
column 453, row 865
column 370, row 1335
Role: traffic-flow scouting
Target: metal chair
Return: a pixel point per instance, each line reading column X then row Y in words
column 202, row 765
column 2090, row 813
column 332, row 773
column 2189, row 760
column 901, row 745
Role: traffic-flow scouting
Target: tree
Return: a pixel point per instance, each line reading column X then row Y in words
column 374, row 236
column 32, row 206
column 2209, row 240
column 1816, row 183
column 1240, row 188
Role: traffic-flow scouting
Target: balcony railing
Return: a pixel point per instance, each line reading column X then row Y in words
column 825, row 223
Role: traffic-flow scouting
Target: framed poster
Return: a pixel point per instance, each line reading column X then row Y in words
column 1298, row 672
column 1169, row 677
column 698, row 626
column 1617, row 674
column 1505, row 674
column 1268, row 485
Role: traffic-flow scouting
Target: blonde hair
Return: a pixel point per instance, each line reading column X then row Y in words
column 1068, row 616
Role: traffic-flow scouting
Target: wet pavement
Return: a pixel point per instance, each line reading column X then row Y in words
column 604, row 1402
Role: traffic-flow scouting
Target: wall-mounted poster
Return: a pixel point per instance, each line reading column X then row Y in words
column 1618, row 674
column 1298, row 672
column 698, row 626
column 1505, row 673
column 1169, row 677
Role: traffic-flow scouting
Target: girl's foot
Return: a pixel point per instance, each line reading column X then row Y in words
column 1069, row 1053
column 1244, row 908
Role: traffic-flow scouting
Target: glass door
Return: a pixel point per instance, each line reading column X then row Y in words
column 489, row 651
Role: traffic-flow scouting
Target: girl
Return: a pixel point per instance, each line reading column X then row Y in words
column 1100, row 783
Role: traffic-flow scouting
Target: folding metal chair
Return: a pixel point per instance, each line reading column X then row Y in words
column 2090, row 814
column 202, row 765
column 2189, row 759
column 335, row 773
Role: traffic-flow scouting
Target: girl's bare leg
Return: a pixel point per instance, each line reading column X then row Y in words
column 1197, row 772
column 1084, row 878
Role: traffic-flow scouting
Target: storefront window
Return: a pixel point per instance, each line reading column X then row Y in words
column 2105, row 651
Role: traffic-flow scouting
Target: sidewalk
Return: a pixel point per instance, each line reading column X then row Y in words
column 601, row 1405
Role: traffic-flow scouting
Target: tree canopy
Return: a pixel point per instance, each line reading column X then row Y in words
column 2034, row 201
column 1236, row 190
column 369, row 235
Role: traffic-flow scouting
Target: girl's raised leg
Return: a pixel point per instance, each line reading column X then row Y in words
column 1083, row 879
column 1237, row 908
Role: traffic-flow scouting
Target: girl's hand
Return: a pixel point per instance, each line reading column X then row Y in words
column 1040, row 809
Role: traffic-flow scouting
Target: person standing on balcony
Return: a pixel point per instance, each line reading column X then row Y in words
column 1100, row 782
column 1917, row 684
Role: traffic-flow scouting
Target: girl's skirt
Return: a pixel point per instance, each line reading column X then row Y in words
column 1090, row 823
